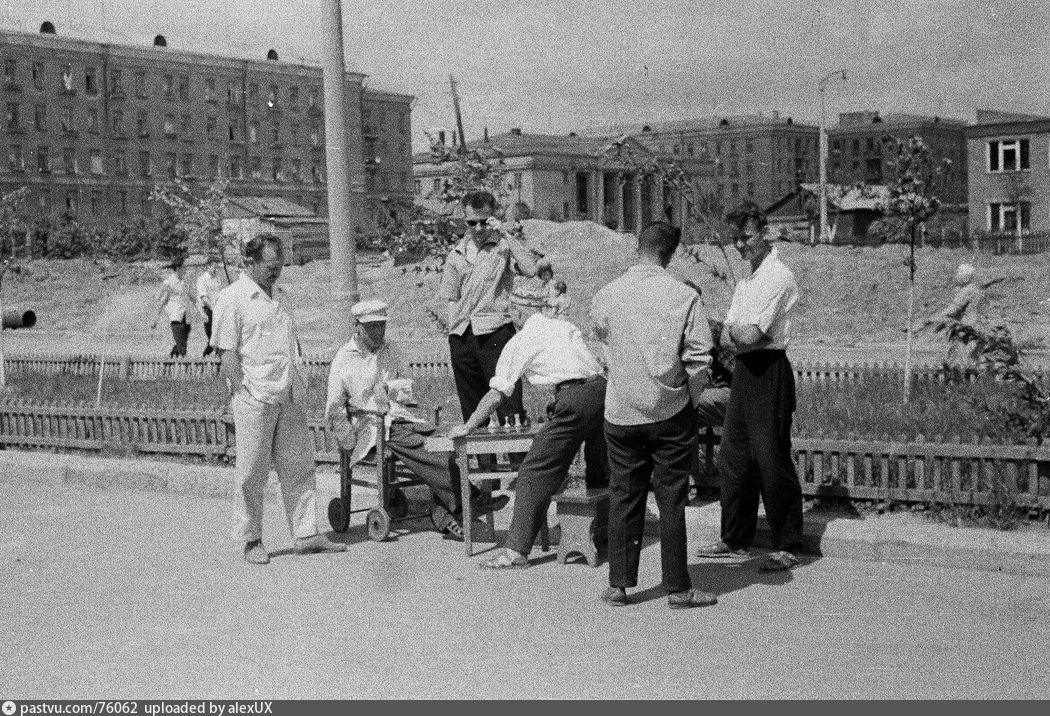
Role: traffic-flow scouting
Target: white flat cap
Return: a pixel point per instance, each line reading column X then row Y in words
column 369, row 311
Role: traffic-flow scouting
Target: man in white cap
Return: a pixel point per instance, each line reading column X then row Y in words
column 755, row 457
column 358, row 381
column 254, row 335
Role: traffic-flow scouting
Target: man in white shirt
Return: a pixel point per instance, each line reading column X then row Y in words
column 174, row 302
column 261, row 363
column 208, row 287
column 755, row 456
column 358, row 381
column 547, row 351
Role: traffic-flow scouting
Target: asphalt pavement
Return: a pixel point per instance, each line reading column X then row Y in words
column 118, row 593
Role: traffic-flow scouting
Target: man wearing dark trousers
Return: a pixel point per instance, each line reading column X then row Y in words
column 658, row 350
column 755, row 455
column 476, row 282
column 548, row 351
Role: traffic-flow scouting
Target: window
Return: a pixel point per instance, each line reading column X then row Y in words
column 732, row 147
column 253, row 132
column 213, row 166
column 271, row 97
column 293, row 134
column 315, row 173
column 122, row 202
column 293, row 99
column 11, row 118
column 315, row 136
column 749, row 146
column 255, row 167
column 278, row 169
column 314, row 99
column 43, row 162
column 69, row 161
column 856, row 146
column 169, row 125
column 1008, row 155
column 92, row 123
column 209, row 89
column 67, row 120
column 170, row 164
column 71, row 204
column 734, row 189
column 40, row 117
column 1010, row 217
column 234, row 93
column 870, row 144
column 750, row 189
column 234, row 129
column 10, row 71
column 209, row 127
column 96, row 202
column 436, row 186
column 169, row 87
column 296, row 169
column 15, row 160
column 140, row 85
column 96, row 161
column 749, row 169
column 186, row 165
column 116, row 83
column 120, row 165
column 419, row 187
column 186, row 126
column 235, row 167
column 692, row 150
column 565, row 210
column 565, row 177
column 91, row 81
column 142, row 124
column 276, row 133
column 145, row 164
column 38, row 75
column 184, row 88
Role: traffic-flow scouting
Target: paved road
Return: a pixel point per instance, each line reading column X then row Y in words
column 112, row 594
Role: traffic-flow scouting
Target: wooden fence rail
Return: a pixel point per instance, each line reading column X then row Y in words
column 879, row 470
column 145, row 368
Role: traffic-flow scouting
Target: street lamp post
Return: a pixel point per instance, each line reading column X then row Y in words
column 821, row 86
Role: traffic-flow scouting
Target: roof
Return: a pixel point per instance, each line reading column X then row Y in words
column 991, row 123
column 867, row 119
column 852, row 198
column 270, row 206
column 712, row 123
column 513, row 144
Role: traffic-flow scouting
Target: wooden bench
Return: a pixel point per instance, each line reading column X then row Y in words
column 584, row 518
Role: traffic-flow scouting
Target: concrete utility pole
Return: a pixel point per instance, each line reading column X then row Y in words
column 344, row 213
column 821, row 86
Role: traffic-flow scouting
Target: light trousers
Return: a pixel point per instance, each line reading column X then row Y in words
column 273, row 435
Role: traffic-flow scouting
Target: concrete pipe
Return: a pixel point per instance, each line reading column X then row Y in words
column 17, row 318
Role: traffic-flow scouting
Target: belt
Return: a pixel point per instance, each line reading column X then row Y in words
column 576, row 381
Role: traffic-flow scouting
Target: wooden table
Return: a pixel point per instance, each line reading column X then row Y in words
column 482, row 442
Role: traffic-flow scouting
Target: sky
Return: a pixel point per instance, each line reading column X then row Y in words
column 555, row 67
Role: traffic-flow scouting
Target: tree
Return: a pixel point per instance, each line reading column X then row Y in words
column 911, row 202
column 199, row 218
column 12, row 221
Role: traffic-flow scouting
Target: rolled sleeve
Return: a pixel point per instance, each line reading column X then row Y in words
column 225, row 330
column 696, row 340
column 512, row 363
column 772, row 304
column 450, row 280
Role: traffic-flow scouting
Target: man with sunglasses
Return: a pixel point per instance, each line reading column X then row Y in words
column 476, row 282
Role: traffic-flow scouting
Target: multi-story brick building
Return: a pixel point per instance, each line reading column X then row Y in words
column 857, row 152
column 90, row 127
column 561, row 177
column 756, row 157
column 1009, row 172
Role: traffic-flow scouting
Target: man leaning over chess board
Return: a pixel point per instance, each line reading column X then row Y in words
column 359, row 383
column 547, row 351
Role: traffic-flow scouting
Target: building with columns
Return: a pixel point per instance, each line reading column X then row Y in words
column 91, row 126
column 569, row 177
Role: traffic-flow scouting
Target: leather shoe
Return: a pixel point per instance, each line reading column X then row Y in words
column 690, row 598
column 484, row 504
column 315, row 544
column 720, row 549
column 452, row 530
column 255, row 553
column 614, row 596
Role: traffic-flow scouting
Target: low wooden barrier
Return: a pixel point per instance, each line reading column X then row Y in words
column 887, row 470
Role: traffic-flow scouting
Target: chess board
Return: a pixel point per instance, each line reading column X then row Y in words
column 489, row 439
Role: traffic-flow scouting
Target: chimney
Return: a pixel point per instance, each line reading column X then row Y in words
column 441, row 137
column 515, row 131
column 47, row 28
column 776, row 114
column 160, row 41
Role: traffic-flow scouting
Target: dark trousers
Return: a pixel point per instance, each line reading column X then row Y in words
column 639, row 454
column 473, row 365
column 438, row 470
column 575, row 419
column 180, row 332
column 755, row 455
column 206, row 310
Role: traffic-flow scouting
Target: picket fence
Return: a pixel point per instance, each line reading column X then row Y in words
column 886, row 470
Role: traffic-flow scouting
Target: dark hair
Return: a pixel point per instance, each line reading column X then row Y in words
column 480, row 199
column 661, row 239
column 747, row 211
column 253, row 250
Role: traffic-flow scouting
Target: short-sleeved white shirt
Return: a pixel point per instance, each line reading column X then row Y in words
column 208, row 288
column 262, row 332
column 765, row 299
column 546, row 351
column 178, row 303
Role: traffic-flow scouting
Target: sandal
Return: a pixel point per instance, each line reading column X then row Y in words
column 505, row 561
column 778, row 562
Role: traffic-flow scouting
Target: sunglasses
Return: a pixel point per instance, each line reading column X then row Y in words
column 477, row 222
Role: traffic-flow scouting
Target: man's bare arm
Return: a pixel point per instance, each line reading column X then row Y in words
column 230, row 369
column 747, row 337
